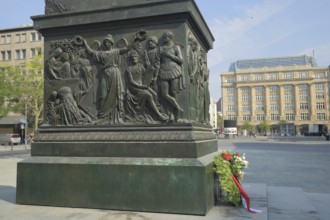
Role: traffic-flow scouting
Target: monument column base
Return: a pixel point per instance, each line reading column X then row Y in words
column 167, row 185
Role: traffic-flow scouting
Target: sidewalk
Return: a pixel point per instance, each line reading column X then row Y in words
column 9, row 210
column 15, row 149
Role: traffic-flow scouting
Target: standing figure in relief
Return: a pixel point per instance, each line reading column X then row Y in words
column 112, row 96
column 141, row 105
column 204, row 88
column 153, row 62
column 192, row 60
column 193, row 64
column 84, row 71
column 170, row 72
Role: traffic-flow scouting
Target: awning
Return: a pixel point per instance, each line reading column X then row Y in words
column 13, row 120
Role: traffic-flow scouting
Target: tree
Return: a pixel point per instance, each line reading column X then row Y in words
column 24, row 87
column 264, row 126
column 247, row 126
column 3, row 93
column 219, row 121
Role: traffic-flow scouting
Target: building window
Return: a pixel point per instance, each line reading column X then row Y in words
column 259, row 97
column 17, row 38
column 288, row 106
column 303, row 87
column 288, row 96
column 33, row 36
column 231, row 108
column 320, row 116
column 24, row 54
column 273, row 97
column 320, row 105
column 319, row 86
column 273, row 88
column 23, row 38
column 18, row 54
column 246, row 118
column 244, row 78
column 288, row 75
column 33, row 52
column 260, row 117
column 289, row 117
column 8, row 39
column 273, row 107
column 230, row 90
column 259, row 89
column 303, row 105
column 273, row 76
column 304, row 116
column 260, row 107
column 3, row 55
column 8, row 55
column 303, row 75
column 259, row 77
column 288, row 88
column 303, row 96
column 231, row 117
column 230, row 79
column 245, row 89
column 320, row 95
column 274, row 117
column 319, row 75
column 231, row 98
column 245, row 98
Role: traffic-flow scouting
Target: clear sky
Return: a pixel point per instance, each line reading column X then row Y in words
column 243, row 29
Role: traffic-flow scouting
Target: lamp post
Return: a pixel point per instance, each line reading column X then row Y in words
column 25, row 124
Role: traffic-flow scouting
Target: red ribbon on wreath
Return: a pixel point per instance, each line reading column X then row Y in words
column 245, row 197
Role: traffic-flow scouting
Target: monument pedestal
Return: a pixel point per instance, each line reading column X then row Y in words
column 173, row 176
column 135, row 184
column 111, row 139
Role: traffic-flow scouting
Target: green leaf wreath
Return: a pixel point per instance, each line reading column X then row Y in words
column 228, row 164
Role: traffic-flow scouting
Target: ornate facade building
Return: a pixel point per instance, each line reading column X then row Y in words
column 290, row 93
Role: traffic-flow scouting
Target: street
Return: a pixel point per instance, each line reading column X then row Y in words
column 285, row 161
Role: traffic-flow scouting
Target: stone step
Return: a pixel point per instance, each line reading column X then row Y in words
column 290, row 203
column 258, row 196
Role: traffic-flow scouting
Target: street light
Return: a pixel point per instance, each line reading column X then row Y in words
column 25, row 124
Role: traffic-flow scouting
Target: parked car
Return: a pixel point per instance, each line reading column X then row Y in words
column 9, row 139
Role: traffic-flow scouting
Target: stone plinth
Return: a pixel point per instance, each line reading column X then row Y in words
column 126, row 108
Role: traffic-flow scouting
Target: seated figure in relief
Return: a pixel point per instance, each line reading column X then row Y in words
column 141, row 104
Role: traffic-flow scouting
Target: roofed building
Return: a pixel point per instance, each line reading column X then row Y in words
column 290, row 93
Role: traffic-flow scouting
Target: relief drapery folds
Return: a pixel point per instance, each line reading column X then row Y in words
column 120, row 81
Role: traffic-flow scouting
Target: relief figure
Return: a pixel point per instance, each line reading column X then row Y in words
column 141, row 105
column 112, row 90
column 153, row 63
column 170, row 73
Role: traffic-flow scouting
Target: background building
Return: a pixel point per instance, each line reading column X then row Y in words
column 18, row 45
column 213, row 113
column 290, row 93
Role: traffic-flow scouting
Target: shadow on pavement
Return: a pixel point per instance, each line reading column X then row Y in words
column 8, row 194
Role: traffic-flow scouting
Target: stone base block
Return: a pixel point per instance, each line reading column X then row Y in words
column 136, row 184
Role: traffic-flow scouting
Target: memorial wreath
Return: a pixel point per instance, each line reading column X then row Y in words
column 229, row 165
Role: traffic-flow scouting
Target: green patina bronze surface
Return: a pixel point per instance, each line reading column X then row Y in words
column 126, row 123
